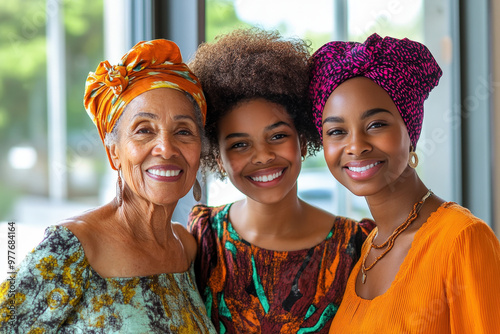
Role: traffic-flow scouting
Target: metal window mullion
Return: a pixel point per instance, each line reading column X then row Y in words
column 56, row 101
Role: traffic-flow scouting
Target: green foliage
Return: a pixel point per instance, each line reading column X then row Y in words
column 221, row 18
column 23, row 54
column 23, row 75
column 84, row 50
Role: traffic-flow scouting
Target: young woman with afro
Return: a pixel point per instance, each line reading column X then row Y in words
column 270, row 263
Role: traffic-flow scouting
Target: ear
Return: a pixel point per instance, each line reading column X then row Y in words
column 114, row 155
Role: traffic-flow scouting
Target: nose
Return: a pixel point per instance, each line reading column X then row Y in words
column 263, row 154
column 358, row 145
column 165, row 146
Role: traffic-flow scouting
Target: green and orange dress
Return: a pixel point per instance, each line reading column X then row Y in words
column 248, row 289
column 55, row 290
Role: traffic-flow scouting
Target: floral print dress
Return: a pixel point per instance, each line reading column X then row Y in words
column 55, row 290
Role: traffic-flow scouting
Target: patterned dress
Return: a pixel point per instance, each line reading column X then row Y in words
column 55, row 290
column 248, row 289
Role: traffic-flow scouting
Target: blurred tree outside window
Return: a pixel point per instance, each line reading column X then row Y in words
column 24, row 167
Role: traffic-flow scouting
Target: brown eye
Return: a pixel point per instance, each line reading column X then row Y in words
column 279, row 136
column 143, row 131
column 239, row 145
column 335, row 132
column 184, row 133
column 376, row 125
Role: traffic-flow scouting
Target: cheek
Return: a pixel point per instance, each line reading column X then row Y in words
column 132, row 176
column 400, row 153
column 132, row 154
column 232, row 162
column 331, row 153
column 294, row 150
column 131, row 158
column 192, row 155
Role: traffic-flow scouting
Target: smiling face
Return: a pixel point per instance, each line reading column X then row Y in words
column 365, row 140
column 260, row 150
column 158, row 145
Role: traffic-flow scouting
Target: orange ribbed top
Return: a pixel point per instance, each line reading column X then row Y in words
column 449, row 282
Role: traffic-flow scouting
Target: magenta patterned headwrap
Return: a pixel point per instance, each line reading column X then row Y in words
column 405, row 69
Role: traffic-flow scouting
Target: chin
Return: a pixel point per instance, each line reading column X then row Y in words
column 165, row 198
column 361, row 190
column 267, row 198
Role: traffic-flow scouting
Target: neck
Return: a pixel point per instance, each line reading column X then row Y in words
column 391, row 206
column 271, row 219
column 143, row 220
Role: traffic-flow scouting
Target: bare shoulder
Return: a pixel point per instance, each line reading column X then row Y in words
column 87, row 227
column 187, row 239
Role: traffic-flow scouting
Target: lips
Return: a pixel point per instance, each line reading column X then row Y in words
column 362, row 170
column 167, row 173
column 161, row 172
column 267, row 176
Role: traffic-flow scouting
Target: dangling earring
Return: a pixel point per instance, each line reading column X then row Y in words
column 119, row 195
column 303, row 158
column 223, row 172
column 197, row 191
column 413, row 159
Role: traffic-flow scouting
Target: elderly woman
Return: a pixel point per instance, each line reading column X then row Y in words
column 125, row 267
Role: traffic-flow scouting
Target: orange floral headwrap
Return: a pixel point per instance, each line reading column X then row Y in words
column 148, row 65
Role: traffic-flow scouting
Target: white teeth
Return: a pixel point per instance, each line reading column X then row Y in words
column 362, row 169
column 267, row 178
column 161, row 172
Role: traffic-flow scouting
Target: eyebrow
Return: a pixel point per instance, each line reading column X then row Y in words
column 267, row 128
column 366, row 114
column 182, row 117
column 154, row 116
column 145, row 115
column 277, row 125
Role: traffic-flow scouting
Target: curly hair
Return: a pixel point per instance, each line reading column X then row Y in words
column 246, row 64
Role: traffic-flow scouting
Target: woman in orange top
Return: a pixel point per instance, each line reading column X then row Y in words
column 430, row 266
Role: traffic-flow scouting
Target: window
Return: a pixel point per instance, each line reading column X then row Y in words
column 53, row 163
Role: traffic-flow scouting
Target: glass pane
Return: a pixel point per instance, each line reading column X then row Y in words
column 399, row 19
column 287, row 16
column 24, row 122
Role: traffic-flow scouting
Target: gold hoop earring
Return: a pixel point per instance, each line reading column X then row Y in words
column 119, row 189
column 303, row 158
column 197, row 191
column 413, row 159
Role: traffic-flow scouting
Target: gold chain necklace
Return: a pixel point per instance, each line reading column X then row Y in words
column 389, row 243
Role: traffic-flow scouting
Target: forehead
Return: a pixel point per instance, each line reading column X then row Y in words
column 360, row 94
column 255, row 113
column 162, row 102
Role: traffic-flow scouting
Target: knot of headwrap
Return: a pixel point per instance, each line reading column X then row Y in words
column 405, row 69
column 148, row 65
column 116, row 77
